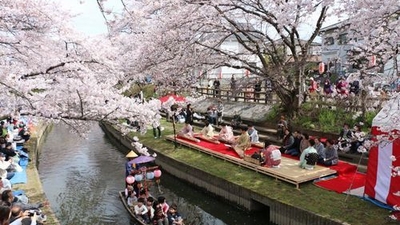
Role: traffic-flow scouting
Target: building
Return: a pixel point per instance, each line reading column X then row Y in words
column 336, row 46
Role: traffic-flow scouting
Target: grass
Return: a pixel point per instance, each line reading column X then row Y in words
column 311, row 198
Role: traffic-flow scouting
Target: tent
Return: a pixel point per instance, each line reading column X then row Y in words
column 383, row 176
column 177, row 98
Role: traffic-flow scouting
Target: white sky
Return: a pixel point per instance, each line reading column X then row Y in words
column 90, row 21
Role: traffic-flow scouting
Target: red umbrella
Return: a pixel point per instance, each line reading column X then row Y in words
column 175, row 97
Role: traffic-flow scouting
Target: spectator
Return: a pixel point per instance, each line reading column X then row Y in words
column 320, row 149
column 282, row 126
column 216, row 85
column 330, row 154
column 288, row 141
column 220, row 111
column 257, row 90
column 236, row 121
column 294, row 150
column 305, row 142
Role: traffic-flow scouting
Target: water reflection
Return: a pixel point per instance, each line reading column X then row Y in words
column 82, row 177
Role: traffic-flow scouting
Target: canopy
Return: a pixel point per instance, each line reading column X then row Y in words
column 383, row 179
column 142, row 159
column 177, row 98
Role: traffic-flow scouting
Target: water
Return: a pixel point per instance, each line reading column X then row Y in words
column 82, row 177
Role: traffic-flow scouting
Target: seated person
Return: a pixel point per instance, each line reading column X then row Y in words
column 294, row 150
column 330, row 154
column 19, row 216
column 132, row 199
column 187, row 133
column 141, row 210
column 305, row 161
column 150, row 209
column 236, row 121
column 208, row 130
column 320, row 149
column 8, row 151
column 253, row 134
column 242, row 143
column 288, row 141
column 207, row 133
column 226, row 134
column 271, row 155
column 173, row 215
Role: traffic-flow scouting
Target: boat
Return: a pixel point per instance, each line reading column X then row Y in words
column 131, row 213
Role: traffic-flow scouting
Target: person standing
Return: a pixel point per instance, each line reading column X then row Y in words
column 220, row 111
column 156, row 126
column 233, row 86
column 216, row 85
column 257, row 90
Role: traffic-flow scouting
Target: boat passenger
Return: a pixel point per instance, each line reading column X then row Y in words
column 132, row 199
column 174, row 217
column 141, row 210
column 253, row 134
column 163, row 203
column 150, row 209
column 159, row 217
column 242, row 143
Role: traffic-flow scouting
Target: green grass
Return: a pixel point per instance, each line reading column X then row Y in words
column 311, row 198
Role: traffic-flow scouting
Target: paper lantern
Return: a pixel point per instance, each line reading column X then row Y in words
column 130, row 179
column 157, row 173
column 149, row 175
column 138, row 177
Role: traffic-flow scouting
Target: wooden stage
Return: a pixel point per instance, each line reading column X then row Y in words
column 289, row 171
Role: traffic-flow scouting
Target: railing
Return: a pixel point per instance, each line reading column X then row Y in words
column 247, row 95
column 349, row 103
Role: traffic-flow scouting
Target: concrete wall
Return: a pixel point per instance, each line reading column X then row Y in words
column 277, row 212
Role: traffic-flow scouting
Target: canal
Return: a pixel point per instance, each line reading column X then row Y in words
column 82, row 177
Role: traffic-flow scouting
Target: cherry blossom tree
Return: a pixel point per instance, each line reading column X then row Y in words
column 50, row 71
column 176, row 37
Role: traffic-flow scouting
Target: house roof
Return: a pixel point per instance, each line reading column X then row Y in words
column 334, row 26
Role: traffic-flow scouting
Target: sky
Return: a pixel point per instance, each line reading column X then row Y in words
column 89, row 19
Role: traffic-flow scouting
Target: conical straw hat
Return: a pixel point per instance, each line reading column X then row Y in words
column 131, row 154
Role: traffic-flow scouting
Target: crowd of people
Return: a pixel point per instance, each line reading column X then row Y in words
column 146, row 208
column 15, row 208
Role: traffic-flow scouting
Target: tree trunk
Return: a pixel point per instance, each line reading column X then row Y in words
column 290, row 100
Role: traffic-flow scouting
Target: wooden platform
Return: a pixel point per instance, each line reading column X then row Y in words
column 289, row 171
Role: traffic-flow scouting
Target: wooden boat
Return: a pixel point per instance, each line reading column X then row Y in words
column 125, row 203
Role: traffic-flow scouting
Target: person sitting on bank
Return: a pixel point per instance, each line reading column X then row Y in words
column 294, row 150
column 253, row 134
column 320, row 148
column 236, row 121
column 174, row 217
column 187, row 133
column 288, row 141
column 305, row 142
column 226, row 134
column 141, row 210
column 330, row 154
column 272, row 155
column 242, row 143
column 309, row 156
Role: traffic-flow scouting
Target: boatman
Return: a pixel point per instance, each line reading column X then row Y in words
column 129, row 166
